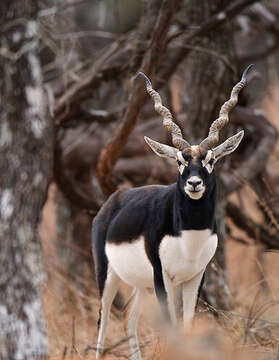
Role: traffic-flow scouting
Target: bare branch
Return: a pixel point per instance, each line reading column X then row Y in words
column 191, row 37
column 267, row 22
column 216, row 20
column 63, row 6
column 75, row 93
column 269, row 50
column 145, row 168
column 111, row 153
column 257, row 232
column 257, row 159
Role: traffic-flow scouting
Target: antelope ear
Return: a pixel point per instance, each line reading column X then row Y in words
column 162, row 149
column 228, row 146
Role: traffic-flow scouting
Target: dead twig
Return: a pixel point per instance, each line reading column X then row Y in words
column 110, row 350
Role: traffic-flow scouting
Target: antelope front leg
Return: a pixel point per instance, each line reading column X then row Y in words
column 132, row 315
column 190, row 291
column 164, row 292
column 110, row 290
column 170, row 297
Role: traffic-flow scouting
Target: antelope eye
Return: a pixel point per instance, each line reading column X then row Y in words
column 179, row 163
column 209, row 166
column 181, row 166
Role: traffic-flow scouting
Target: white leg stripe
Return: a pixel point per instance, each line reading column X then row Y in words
column 132, row 319
column 110, row 290
column 190, row 292
column 170, row 297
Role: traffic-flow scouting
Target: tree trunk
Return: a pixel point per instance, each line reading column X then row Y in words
column 206, row 79
column 26, row 147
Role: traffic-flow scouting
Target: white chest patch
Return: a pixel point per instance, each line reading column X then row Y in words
column 185, row 256
column 182, row 257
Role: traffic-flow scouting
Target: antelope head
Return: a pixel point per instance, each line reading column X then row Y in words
column 196, row 162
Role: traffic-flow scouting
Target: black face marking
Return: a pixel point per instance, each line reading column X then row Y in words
column 196, row 170
column 186, row 157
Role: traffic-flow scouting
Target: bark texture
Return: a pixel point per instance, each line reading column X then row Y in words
column 26, row 147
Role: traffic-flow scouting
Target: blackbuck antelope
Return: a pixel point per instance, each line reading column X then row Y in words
column 160, row 237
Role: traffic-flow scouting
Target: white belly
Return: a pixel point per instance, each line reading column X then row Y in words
column 182, row 257
column 130, row 263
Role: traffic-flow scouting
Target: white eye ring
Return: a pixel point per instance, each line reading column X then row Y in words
column 181, row 168
column 209, row 167
column 181, row 159
column 206, row 162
